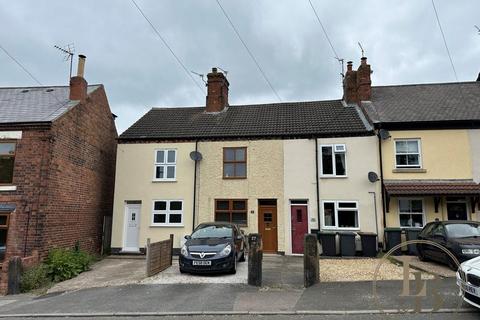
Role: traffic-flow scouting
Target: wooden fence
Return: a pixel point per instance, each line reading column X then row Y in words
column 159, row 256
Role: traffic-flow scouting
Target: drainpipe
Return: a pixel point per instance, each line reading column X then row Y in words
column 316, row 184
column 194, row 187
column 375, row 206
column 381, row 181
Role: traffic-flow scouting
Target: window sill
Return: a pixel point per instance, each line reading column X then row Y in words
column 409, row 170
column 8, row 188
column 167, row 225
column 158, row 180
column 333, row 177
column 234, row 178
column 339, row 229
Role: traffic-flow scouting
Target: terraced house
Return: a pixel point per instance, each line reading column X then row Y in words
column 280, row 169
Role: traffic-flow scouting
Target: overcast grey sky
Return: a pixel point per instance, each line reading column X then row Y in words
column 401, row 38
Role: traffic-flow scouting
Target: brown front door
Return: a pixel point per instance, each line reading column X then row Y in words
column 267, row 227
column 299, row 227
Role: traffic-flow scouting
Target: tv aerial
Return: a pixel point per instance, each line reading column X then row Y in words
column 202, row 76
column 478, row 29
column 68, row 52
column 223, row 70
column 361, row 48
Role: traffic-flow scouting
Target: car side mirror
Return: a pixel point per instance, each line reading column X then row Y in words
column 188, row 237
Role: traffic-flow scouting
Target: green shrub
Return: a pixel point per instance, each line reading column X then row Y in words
column 34, row 278
column 64, row 264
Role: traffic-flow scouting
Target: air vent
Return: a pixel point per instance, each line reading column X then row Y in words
column 24, row 91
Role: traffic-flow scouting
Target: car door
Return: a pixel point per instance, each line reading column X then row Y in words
column 439, row 236
column 424, row 235
column 428, row 235
column 237, row 240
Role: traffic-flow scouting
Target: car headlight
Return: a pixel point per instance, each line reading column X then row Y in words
column 471, row 251
column 184, row 251
column 226, row 251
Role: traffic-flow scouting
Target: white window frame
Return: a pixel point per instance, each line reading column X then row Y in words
column 336, row 202
column 333, row 146
column 167, row 213
column 165, row 164
column 411, row 213
column 419, row 143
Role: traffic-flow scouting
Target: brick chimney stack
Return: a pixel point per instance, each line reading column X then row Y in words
column 217, row 91
column 78, row 85
column 357, row 85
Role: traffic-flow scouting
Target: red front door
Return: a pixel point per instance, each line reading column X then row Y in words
column 299, row 227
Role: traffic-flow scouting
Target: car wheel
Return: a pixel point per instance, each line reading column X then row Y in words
column 242, row 258
column 182, row 271
column 451, row 264
column 233, row 270
column 421, row 255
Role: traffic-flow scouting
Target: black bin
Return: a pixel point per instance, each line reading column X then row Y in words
column 412, row 234
column 393, row 237
column 347, row 244
column 369, row 244
column 328, row 242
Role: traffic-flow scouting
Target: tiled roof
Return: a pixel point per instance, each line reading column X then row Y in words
column 35, row 104
column 425, row 102
column 439, row 187
column 294, row 119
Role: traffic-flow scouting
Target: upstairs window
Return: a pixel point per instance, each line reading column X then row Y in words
column 167, row 213
column 407, row 154
column 235, row 163
column 165, row 165
column 233, row 210
column 7, row 158
column 334, row 160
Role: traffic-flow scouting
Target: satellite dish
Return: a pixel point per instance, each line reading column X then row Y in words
column 384, row 134
column 195, row 156
column 372, row 177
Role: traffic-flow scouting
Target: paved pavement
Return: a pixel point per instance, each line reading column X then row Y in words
column 427, row 266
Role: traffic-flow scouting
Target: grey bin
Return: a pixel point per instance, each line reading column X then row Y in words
column 369, row 244
column 412, row 234
column 347, row 244
column 328, row 242
column 393, row 237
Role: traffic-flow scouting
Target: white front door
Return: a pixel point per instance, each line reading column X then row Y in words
column 132, row 224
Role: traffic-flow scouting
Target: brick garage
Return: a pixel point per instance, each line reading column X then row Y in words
column 64, row 168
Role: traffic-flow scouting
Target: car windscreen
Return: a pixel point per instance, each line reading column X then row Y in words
column 463, row 230
column 213, row 231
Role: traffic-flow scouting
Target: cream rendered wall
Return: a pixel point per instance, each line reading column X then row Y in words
column 134, row 175
column 445, row 154
column 474, row 138
column 264, row 180
column 361, row 158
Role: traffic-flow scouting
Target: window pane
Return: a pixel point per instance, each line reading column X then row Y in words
column 340, row 164
column 222, row 205
column 327, row 164
column 160, row 156
column 347, row 219
column 175, row 218
column 159, row 218
column 417, row 205
column 405, row 220
column 159, row 172
column 170, row 172
column 3, row 243
column 347, row 204
column 229, row 154
column 412, row 159
column 222, row 217
column 3, row 221
column 417, row 220
column 171, row 156
column 329, row 214
column 228, row 170
column 240, row 154
column 175, row 205
column 7, row 148
column 239, row 218
column 239, row 205
column 401, row 160
column 404, row 205
column 401, row 146
column 160, row 205
column 6, row 169
column 412, row 146
column 240, row 170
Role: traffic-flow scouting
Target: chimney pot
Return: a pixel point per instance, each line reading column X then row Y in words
column 214, row 70
column 78, row 85
column 363, row 61
column 81, row 65
column 349, row 65
column 217, row 91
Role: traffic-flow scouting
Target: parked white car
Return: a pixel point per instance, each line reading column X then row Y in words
column 468, row 279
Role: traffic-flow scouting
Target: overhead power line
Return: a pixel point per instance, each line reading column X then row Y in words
column 168, row 46
column 324, row 31
column 20, row 65
column 248, row 51
column 444, row 41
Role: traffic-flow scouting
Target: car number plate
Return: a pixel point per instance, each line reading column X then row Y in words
column 202, row 262
column 470, row 289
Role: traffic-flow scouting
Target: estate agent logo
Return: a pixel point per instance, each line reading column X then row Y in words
column 414, row 293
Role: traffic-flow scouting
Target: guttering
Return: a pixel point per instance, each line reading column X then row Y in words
column 317, row 184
